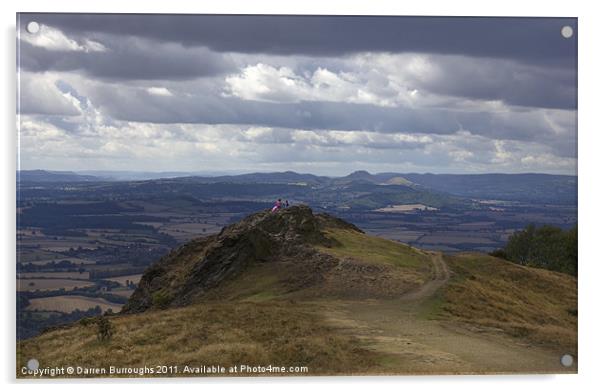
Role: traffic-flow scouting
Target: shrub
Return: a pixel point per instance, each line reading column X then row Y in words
column 161, row 299
column 105, row 329
column 86, row 321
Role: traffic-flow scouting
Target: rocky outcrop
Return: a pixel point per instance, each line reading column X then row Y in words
column 191, row 271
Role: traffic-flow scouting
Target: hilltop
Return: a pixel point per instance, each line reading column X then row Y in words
column 294, row 288
column 288, row 254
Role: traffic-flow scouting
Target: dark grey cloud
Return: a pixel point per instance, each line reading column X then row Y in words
column 510, row 82
column 521, row 61
column 534, row 40
column 128, row 58
column 134, row 106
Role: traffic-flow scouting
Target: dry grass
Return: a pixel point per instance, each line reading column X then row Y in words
column 374, row 249
column 212, row 333
column 534, row 304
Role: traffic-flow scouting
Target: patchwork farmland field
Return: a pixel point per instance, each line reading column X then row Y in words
column 69, row 303
column 84, row 275
column 50, row 284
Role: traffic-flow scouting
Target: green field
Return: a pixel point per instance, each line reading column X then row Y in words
column 50, row 284
column 69, row 303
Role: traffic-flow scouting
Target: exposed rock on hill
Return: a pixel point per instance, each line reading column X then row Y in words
column 191, row 271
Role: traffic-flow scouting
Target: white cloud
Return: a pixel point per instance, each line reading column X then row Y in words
column 54, row 39
column 266, row 83
column 40, row 130
column 38, row 93
column 411, row 80
column 93, row 46
column 262, row 82
column 148, row 146
column 161, row 91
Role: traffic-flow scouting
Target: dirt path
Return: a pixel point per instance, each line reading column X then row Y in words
column 440, row 276
column 411, row 343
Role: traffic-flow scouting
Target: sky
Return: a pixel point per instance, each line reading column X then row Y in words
column 320, row 94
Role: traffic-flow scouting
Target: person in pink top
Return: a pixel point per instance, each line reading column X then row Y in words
column 277, row 206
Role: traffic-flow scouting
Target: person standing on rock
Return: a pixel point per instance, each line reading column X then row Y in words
column 277, row 206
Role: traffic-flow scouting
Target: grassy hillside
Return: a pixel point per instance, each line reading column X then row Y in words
column 362, row 267
column 374, row 249
column 216, row 333
column 535, row 304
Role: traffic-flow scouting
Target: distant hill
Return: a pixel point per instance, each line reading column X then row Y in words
column 530, row 187
column 263, row 189
column 288, row 177
column 53, row 176
column 125, row 175
column 359, row 190
column 359, row 175
column 544, row 188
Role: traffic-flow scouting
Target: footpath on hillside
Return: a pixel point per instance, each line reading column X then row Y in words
column 411, row 341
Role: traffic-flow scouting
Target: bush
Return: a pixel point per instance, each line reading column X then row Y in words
column 105, row 329
column 161, row 299
column 500, row 253
column 87, row 321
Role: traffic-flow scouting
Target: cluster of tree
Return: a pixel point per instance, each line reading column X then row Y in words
column 90, row 291
column 139, row 255
column 52, row 232
column 546, row 247
column 97, row 275
column 62, row 265
column 68, row 219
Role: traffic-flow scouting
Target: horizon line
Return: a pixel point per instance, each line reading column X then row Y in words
column 240, row 173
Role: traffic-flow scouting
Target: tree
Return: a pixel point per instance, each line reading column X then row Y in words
column 518, row 248
column 572, row 249
column 546, row 247
column 105, row 329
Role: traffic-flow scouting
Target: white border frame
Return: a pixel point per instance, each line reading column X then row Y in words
column 588, row 163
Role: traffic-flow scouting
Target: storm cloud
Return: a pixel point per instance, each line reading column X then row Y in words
column 329, row 94
column 534, row 40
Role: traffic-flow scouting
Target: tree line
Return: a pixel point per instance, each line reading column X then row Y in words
column 546, row 247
